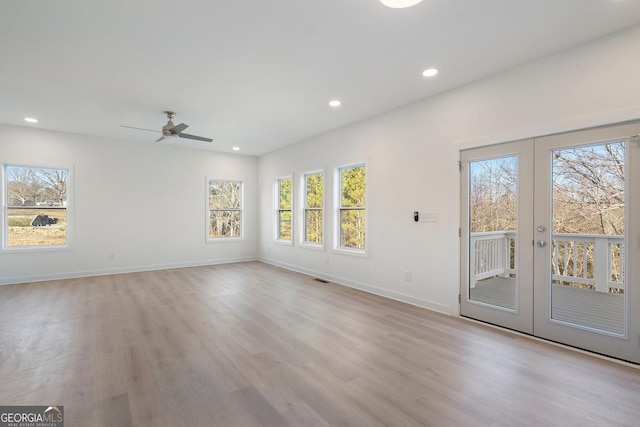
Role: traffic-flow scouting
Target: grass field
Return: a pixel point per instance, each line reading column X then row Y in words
column 21, row 233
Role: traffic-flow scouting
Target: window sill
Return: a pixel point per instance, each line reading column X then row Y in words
column 362, row 253
column 224, row 239
column 35, row 249
column 312, row 246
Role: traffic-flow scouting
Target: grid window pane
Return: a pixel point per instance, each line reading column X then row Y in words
column 313, row 226
column 285, row 193
column 352, row 228
column 225, row 194
column 314, row 189
column 284, row 225
column 353, row 187
column 224, row 224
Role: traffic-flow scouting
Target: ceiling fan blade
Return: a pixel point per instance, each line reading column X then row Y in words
column 198, row 138
column 133, row 127
column 160, row 139
column 178, row 128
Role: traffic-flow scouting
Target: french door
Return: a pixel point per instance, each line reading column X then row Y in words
column 551, row 238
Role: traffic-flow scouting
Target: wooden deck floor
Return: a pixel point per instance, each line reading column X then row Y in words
column 604, row 311
column 248, row 345
column 498, row 291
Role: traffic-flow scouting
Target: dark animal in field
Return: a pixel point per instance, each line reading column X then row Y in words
column 43, row 220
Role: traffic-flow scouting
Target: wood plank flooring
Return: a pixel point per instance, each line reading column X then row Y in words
column 252, row 345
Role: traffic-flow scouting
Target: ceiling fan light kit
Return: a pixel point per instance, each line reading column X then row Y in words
column 399, row 4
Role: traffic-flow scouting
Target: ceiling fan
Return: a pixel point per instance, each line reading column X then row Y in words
column 170, row 130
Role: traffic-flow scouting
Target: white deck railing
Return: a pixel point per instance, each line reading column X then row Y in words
column 492, row 255
column 588, row 259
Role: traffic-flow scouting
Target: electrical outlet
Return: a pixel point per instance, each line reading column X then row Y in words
column 407, row 276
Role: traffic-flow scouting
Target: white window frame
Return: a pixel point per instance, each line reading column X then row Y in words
column 208, row 212
column 303, row 210
column 68, row 205
column 338, row 208
column 278, row 210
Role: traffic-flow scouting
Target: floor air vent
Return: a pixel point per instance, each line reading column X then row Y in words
column 320, row 280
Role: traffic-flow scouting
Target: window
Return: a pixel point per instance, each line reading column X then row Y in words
column 225, row 209
column 313, row 208
column 351, row 215
column 284, row 190
column 36, row 207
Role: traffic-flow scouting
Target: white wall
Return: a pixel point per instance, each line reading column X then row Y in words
column 412, row 154
column 143, row 203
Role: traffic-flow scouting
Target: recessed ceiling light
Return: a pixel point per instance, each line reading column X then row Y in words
column 399, row 4
column 335, row 103
column 30, row 120
column 430, row 72
column 236, row 148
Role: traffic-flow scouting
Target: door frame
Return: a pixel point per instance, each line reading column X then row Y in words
column 536, row 283
column 520, row 319
column 623, row 346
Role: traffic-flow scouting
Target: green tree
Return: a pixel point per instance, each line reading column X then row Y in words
column 352, row 207
column 314, row 208
column 285, row 193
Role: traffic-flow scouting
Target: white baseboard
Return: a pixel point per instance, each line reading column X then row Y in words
column 119, row 270
column 419, row 302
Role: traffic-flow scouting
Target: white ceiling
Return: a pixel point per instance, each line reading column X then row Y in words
column 259, row 74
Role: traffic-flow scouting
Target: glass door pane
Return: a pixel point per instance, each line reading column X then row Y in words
column 586, row 257
column 492, row 231
column 496, row 223
column 588, row 242
column 550, row 236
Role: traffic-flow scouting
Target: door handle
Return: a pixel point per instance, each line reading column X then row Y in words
column 541, row 243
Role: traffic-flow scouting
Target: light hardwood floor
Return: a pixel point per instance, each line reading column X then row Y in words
column 252, row 345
